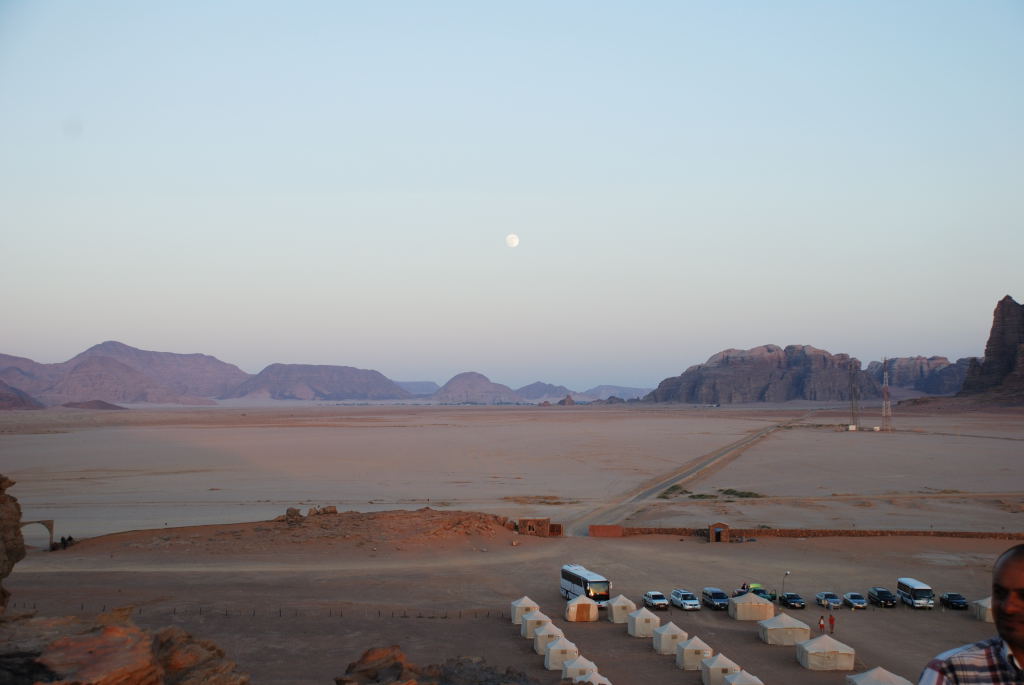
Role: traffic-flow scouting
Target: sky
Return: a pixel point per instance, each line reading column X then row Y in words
column 333, row 182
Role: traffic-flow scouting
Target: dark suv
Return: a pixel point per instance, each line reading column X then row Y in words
column 881, row 597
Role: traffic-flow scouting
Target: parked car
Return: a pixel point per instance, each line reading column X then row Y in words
column 829, row 600
column 855, row 600
column 655, row 600
column 762, row 592
column 953, row 600
column 714, row 598
column 684, row 599
column 792, row 600
column 881, row 597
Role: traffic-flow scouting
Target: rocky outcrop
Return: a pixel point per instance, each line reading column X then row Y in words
column 389, row 665
column 108, row 650
column 931, row 375
column 539, row 391
column 1001, row 372
column 474, row 388
column 567, row 401
column 318, row 382
column 12, row 545
column 603, row 392
column 13, row 398
column 196, row 375
column 94, row 405
column 768, row 374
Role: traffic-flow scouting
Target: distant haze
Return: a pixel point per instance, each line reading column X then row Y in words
column 332, row 183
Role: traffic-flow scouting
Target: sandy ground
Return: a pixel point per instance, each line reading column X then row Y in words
column 296, row 609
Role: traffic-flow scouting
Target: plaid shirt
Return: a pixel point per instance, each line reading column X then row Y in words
column 988, row 662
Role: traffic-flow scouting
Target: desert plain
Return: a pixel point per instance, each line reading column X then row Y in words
column 173, row 511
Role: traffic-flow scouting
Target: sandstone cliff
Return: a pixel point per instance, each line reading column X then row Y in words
column 13, row 398
column 318, row 382
column 474, row 388
column 12, row 545
column 932, row 375
column 1001, row 372
column 768, row 374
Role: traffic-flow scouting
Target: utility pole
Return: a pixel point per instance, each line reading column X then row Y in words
column 886, row 402
column 854, row 396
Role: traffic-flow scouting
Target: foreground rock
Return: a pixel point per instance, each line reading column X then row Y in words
column 12, row 545
column 390, row 665
column 108, row 650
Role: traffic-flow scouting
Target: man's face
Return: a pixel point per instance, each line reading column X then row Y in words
column 1008, row 601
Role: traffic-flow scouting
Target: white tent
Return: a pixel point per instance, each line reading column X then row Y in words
column 690, row 653
column 750, row 607
column 742, row 678
column 619, row 608
column 581, row 665
column 783, row 630
column 558, row 652
column 983, row 610
column 523, row 605
column 876, row 676
column 544, row 636
column 581, row 609
column 532, row 621
column 594, row 678
column 667, row 637
column 714, row 669
column 642, row 623
column 825, row 653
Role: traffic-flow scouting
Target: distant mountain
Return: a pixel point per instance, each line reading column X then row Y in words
column 421, row 388
column 103, row 378
column 768, row 374
column 538, row 392
column 475, row 388
column 1000, row 375
column 603, row 392
column 318, row 382
column 13, row 398
column 186, row 374
column 931, row 375
column 27, row 375
column 94, row 404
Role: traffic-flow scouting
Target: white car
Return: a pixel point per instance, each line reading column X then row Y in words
column 655, row 600
column 685, row 600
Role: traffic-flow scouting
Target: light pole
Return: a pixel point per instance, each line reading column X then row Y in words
column 783, row 585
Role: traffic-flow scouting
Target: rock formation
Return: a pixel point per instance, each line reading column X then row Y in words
column 419, row 388
column 94, row 405
column 389, row 665
column 318, row 382
column 603, row 392
column 474, row 388
column 13, row 398
column 932, row 375
column 1001, row 372
column 12, row 545
column 567, row 401
column 768, row 374
column 103, row 378
column 538, row 392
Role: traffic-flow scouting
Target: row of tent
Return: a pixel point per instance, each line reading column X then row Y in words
column 822, row 653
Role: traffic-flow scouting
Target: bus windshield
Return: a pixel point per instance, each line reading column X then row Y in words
column 597, row 589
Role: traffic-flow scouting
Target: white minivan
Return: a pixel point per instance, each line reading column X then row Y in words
column 685, row 600
column 915, row 593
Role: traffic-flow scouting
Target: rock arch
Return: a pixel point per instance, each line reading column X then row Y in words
column 47, row 524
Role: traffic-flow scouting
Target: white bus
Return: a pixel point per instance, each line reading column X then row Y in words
column 915, row 593
column 577, row 581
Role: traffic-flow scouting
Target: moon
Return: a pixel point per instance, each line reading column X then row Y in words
column 512, row 240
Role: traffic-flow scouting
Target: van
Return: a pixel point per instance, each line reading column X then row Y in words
column 915, row 593
column 714, row 598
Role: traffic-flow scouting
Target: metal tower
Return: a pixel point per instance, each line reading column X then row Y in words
column 886, row 403
column 854, row 396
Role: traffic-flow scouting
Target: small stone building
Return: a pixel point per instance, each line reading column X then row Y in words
column 718, row 532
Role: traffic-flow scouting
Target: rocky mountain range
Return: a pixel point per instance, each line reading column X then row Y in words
column 1000, row 374
column 318, row 382
column 475, row 388
column 930, row 375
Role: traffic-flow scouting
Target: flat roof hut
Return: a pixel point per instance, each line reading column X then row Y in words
column 581, row 608
column 743, row 678
column 618, row 609
column 783, row 630
column 581, row 665
column 714, row 669
column 825, row 653
column 750, row 607
column 876, row 676
column 667, row 637
column 982, row 609
column 642, row 623
column 558, row 652
column 544, row 636
column 523, row 605
column 690, row 653
column 718, row 532
column 532, row 621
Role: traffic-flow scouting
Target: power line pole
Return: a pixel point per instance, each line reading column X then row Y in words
column 854, row 396
column 886, row 402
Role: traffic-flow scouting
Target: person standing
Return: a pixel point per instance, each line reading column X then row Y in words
column 997, row 660
column 821, row 624
column 832, row 623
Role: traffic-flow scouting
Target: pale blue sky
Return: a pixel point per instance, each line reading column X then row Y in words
column 332, row 182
